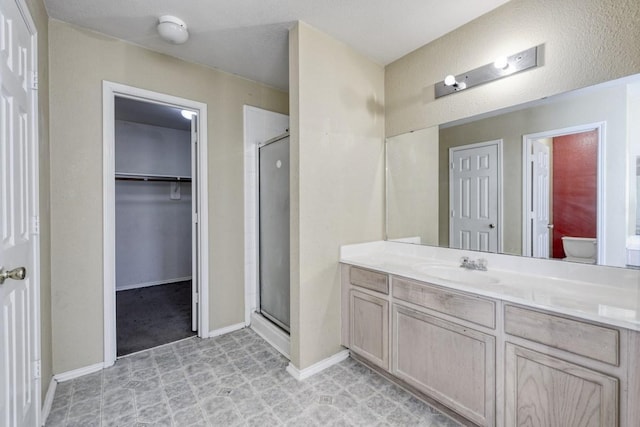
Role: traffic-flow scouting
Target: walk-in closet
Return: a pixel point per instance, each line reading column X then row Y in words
column 153, row 213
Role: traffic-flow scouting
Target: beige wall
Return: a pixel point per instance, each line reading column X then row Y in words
column 586, row 42
column 79, row 61
column 337, row 173
column 39, row 15
column 602, row 105
column 412, row 186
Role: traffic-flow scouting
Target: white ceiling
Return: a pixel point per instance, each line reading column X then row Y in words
column 249, row 37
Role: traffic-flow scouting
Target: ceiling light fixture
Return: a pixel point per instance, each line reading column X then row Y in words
column 172, row 29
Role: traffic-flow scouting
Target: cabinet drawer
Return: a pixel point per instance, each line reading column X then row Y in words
column 584, row 339
column 466, row 307
column 369, row 279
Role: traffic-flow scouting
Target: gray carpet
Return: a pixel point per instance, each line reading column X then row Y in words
column 149, row 317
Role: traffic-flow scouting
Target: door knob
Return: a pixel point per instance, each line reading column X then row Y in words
column 550, row 226
column 15, row 274
column 492, row 226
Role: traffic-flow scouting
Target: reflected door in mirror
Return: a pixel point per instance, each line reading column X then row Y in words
column 474, row 195
column 540, row 197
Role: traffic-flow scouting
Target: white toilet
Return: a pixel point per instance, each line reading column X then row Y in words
column 580, row 249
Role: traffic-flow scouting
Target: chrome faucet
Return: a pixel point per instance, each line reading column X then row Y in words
column 469, row 264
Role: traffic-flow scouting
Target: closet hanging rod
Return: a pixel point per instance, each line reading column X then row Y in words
column 151, row 178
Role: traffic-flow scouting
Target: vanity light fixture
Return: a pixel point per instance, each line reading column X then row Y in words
column 172, row 29
column 501, row 67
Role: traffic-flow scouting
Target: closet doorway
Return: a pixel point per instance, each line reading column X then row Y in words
column 154, row 232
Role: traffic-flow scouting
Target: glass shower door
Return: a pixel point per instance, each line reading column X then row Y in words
column 274, row 230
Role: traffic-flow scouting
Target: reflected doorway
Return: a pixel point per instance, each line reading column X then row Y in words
column 561, row 196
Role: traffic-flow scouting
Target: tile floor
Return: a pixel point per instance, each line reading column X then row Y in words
column 233, row 380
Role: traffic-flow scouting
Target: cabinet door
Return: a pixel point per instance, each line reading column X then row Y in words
column 369, row 327
column 545, row 391
column 451, row 363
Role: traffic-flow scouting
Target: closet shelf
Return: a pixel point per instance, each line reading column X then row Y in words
column 120, row 176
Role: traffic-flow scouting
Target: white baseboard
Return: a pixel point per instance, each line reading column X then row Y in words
column 148, row 284
column 226, row 330
column 48, row 401
column 301, row 374
column 275, row 336
column 70, row 375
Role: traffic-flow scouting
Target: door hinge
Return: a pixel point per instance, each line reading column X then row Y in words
column 37, row 369
column 197, row 298
column 451, row 165
column 195, row 218
column 453, row 213
column 34, row 80
column 35, row 225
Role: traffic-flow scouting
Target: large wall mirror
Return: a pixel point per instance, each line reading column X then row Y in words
column 557, row 178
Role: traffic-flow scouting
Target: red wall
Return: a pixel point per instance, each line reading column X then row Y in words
column 575, row 187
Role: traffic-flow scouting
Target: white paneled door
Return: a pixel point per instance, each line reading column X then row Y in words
column 19, row 352
column 540, row 199
column 474, row 196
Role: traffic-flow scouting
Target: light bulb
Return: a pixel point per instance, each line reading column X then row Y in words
column 187, row 114
column 501, row 63
column 449, row 80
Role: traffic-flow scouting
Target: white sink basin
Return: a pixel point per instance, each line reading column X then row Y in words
column 458, row 275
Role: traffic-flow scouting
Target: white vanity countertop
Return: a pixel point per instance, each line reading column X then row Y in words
column 603, row 294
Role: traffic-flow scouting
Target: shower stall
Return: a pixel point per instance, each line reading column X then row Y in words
column 273, row 210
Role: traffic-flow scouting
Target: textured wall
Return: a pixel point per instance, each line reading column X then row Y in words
column 79, row 61
column 337, row 174
column 585, row 42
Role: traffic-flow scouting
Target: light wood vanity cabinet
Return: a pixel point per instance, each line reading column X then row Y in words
column 449, row 362
column 542, row 390
column 369, row 327
column 365, row 314
column 493, row 362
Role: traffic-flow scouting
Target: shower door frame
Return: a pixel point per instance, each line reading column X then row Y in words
column 271, row 318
